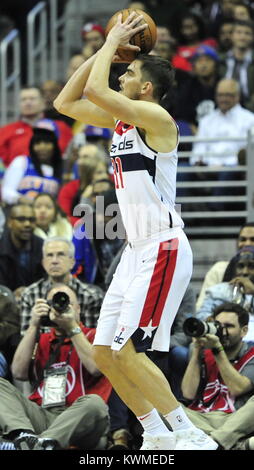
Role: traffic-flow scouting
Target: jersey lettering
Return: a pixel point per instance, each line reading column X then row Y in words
column 125, row 145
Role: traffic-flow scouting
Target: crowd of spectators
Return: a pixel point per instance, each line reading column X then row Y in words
column 55, row 172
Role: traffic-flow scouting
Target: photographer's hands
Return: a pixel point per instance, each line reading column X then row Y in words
column 39, row 310
column 208, row 342
column 65, row 321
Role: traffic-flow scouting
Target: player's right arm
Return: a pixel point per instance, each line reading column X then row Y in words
column 72, row 103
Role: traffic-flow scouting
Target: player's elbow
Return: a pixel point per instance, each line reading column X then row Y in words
column 57, row 105
column 90, row 92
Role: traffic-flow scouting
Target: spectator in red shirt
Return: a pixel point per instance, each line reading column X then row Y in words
column 91, row 167
column 74, row 414
column 15, row 137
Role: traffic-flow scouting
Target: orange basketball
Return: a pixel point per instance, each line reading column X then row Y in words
column 144, row 39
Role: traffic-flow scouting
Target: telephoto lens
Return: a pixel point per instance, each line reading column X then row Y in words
column 60, row 302
column 197, row 328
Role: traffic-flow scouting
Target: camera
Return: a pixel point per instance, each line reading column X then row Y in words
column 198, row 328
column 60, row 302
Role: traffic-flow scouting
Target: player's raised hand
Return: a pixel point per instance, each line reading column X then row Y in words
column 122, row 32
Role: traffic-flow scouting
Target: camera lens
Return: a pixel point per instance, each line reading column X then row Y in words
column 60, row 302
column 194, row 327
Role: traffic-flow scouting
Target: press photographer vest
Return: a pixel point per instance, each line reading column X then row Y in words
column 79, row 381
column 215, row 395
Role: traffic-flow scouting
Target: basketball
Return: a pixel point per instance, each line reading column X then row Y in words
column 144, row 39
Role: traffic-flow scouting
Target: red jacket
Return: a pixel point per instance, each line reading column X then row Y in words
column 15, row 139
column 79, row 381
column 66, row 198
column 216, row 396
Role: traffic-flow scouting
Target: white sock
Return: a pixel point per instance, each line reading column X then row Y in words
column 153, row 424
column 178, row 419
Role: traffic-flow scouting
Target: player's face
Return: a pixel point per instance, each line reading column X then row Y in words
column 131, row 80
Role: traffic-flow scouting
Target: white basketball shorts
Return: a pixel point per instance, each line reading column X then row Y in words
column 145, row 293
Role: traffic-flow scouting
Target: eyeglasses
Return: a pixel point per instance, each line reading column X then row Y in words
column 22, row 218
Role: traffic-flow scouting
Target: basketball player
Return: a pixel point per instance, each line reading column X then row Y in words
column 156, row 266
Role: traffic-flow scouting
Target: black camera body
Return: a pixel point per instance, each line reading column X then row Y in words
column 197, row 328
column 60, row 302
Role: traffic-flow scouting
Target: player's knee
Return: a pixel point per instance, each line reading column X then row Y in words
column 102, row 356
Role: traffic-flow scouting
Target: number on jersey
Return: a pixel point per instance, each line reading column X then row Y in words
column 118, row 172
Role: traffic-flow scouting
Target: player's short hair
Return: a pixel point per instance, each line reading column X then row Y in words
column 159, row 71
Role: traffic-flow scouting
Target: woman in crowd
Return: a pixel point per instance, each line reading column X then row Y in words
column 40, row 171
column 192, row 34
column 50, row 219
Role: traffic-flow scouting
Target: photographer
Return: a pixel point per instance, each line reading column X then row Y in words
column 219, row 379
column 67, row 405
column 58, row 260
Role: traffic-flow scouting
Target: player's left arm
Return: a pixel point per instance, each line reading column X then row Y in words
column 147, row 115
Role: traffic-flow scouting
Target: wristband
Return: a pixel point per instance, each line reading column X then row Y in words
column 216, row 351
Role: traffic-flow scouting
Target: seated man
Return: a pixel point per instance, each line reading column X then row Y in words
column 67, row 407
column 20, row 249
column 222, row 400
column 229, row 119
column 58, row 261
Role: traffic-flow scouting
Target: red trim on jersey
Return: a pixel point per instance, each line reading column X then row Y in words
column 160, row 283
column 120, row 128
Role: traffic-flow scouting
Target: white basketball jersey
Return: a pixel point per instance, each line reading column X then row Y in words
column 145, row 182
